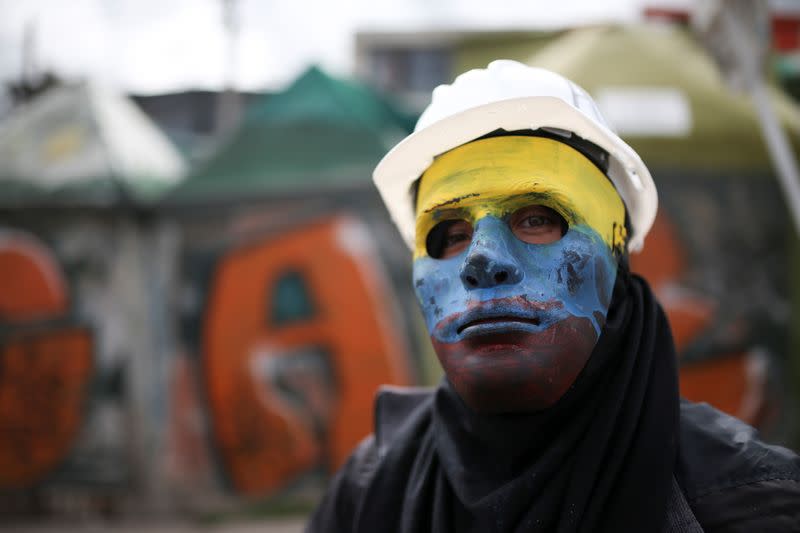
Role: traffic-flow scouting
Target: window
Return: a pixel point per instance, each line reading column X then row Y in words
column 291, row 299
column 415, row 70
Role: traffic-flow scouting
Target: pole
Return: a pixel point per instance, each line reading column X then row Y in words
column 229, row 108
column 736, row 32
column 780, row 150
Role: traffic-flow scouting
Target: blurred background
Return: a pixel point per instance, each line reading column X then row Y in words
column 200, row 291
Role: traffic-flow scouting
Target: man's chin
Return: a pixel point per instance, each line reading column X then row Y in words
column 517, row 371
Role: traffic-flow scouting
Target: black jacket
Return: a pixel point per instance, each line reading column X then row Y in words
column 732, row 482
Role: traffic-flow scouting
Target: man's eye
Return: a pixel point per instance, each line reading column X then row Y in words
column 455, row 238
column 448, row 238
column 536, row 221
column 537, row 224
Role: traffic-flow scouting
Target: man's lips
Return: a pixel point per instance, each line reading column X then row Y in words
column 534, row 321
column 498, row 314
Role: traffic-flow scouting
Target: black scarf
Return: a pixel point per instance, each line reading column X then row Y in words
column 600, row 460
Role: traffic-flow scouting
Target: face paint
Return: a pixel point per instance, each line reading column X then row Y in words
column 514, row 323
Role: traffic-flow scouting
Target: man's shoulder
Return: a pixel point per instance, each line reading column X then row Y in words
column 399, row 410
column 731, row 478
column 400, row 413
column 718, row 451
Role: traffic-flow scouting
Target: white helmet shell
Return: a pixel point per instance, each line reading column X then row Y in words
column 511, row 96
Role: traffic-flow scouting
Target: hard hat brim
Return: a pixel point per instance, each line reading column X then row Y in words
column 405, row 163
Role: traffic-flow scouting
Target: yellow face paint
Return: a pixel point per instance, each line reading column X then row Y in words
column 498, row 175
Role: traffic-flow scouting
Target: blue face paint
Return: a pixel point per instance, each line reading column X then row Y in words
column 514, row 323
column 540, row 321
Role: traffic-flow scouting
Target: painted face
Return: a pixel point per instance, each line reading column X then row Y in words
column 514, row 265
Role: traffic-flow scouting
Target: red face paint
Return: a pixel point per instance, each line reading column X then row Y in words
column 514, row 371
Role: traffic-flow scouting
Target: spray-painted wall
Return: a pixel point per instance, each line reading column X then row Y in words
column 194, row 359
column 45, row 362
column 719, row 258
column 83, row 341
column 291, row 323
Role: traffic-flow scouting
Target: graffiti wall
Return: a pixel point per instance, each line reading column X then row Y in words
column 296, row 339
column 80, row 323
column 107, row 400
column 45, row 363
column 719, row 259
column 292, row 329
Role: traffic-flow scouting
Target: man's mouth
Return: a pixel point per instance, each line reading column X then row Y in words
column 499, row 320
column 502, row 314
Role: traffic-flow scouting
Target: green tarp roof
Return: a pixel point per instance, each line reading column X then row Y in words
column 320, row 132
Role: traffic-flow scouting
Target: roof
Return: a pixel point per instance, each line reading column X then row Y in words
column 320, row 133
column 666, row 97
column 84, row 145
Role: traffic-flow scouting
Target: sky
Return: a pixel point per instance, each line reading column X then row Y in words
column 152, row 46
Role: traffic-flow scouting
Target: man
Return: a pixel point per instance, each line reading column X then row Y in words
column 559, row 410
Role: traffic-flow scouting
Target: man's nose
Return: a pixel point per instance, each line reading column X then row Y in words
column 489, row 262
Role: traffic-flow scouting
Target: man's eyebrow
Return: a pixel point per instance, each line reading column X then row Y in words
column 452, row 201
column 534, row 198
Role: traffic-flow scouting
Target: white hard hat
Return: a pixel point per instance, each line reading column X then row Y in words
column 511, row 96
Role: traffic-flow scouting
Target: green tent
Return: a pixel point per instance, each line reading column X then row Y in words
column 478, row 49
column 661, row 74
column 702, row 142
column 319, row 133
